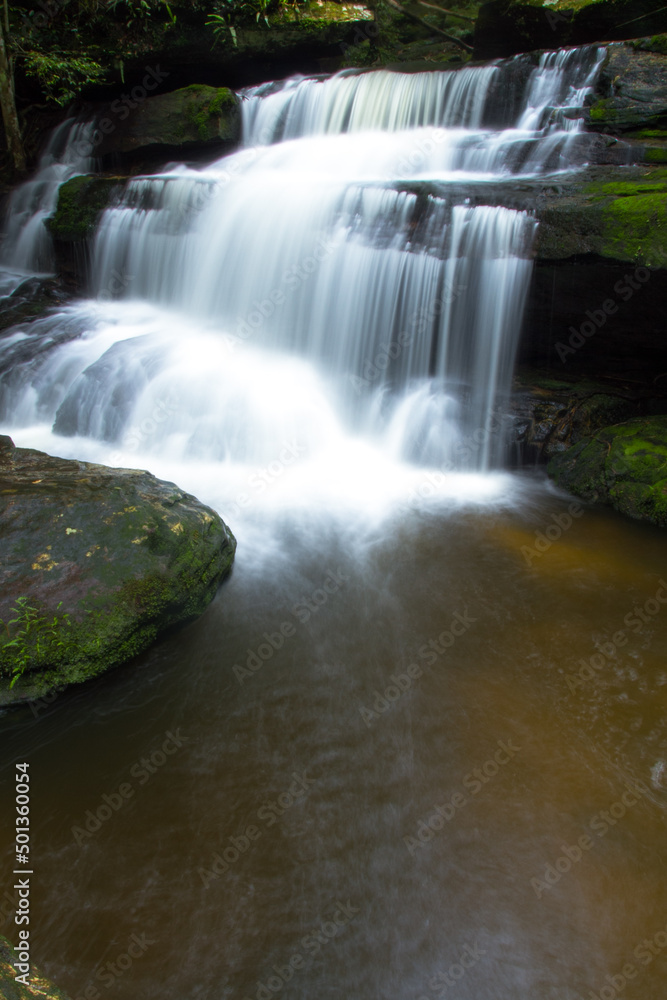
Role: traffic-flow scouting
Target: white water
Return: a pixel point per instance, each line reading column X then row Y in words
column 27, row 248
column 308, row 322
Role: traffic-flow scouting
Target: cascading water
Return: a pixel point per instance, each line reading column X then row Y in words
column 27, row 248
column 395, row 758
column 347, row 281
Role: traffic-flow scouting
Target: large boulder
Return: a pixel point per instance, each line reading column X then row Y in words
column 96, row 564
column 624, row 465
column 38, row 986
column 171, row 124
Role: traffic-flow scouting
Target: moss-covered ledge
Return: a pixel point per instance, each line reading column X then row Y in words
column 81, row 201
column 618, row 214
column 624, row 466
column 38, row 988
column 97, row 564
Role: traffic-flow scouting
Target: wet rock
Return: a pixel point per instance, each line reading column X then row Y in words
column 624, row 466
column 553, row 414
column 97, row 563
column 632, row 88
column 13, row 990
column 30, row 300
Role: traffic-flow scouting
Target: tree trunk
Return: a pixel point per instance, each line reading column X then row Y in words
column 8, row 103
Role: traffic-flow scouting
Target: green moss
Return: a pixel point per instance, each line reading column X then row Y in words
column 205, row 109
column 10, row 989
column 636, row 228
column 624, row 465
column 658, row 43
column 81, row 201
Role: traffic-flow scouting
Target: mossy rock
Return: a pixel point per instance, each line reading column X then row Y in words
column 39, row 987
column 190, row 117
column 622, row 220
column 81, row 201
column 97, row 563
column 624, row 465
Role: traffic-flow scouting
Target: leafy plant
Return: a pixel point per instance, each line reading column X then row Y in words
column 33, row 637
column 220, row 24
column 62, row 77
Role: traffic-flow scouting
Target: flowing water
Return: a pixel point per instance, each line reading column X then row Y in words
column 27, row 248
column 386, row 728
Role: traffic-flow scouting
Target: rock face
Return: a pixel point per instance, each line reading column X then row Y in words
column 96, row 563
column 632, row 89
column 171, row 124
column 11, row 990
column 506, row 27
column 624, row 465
column 553, row 414
column 621, row 216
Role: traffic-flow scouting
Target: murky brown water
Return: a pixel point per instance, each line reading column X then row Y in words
column 275, row 848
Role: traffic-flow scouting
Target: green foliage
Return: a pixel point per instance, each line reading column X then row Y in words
column 229, row 13
column 140, row 12
column 62, row 77
column 35, row 639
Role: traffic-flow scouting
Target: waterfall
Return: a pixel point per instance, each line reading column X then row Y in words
column 26, row 246
column 351, row 273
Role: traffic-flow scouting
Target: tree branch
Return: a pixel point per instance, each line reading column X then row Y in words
column 431, row 27
column 435, row 6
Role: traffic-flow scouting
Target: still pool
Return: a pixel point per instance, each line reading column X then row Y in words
column 446, row 777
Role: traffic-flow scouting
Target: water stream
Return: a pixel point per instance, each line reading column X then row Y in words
column 316, row 335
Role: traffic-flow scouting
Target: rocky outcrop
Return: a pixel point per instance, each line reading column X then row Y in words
column 172, row 124
column 97, row 563
column 624, row 466
column 38, row 986
column 621, row 216
column 551, row 414
column 506, row 27
column 81, row 201
column 308, row 37
column 631, row 93
column 604, row 440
